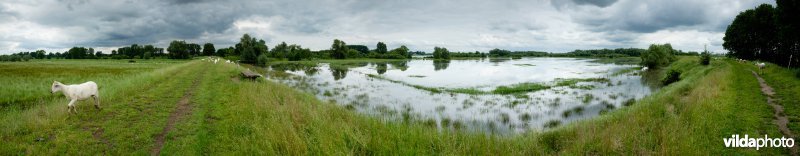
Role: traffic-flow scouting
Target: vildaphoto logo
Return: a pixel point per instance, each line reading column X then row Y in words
column 735, row 141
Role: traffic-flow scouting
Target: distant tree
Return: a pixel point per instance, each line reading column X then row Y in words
column 77, row 53
column 360, row 48
column 194, row 49
column 499, row 52
column 280, row 50
column 224, row 52
column 401, row 51
column 297, row 53
column 250, row 49
column 658, row 56
column 178, row 50
column 381, row 48
column 339, row 49
column 208, row 49
column 441, row 53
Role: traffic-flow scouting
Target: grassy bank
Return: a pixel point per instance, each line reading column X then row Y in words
column 239, row 117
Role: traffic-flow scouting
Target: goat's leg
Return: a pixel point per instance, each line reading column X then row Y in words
column 72, row 106
column 96, row 101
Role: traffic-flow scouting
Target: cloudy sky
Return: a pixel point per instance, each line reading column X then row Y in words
column 467, row 25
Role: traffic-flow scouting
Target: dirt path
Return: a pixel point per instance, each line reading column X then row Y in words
column 183, row 108
column 780, row 117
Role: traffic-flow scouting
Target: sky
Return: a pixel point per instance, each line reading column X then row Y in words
column 467, row 25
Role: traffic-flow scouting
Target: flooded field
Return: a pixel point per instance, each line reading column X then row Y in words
column 489, row 95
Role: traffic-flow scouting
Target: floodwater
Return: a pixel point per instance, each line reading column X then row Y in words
column 397, row 90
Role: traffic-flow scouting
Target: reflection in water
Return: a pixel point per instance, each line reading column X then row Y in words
column 338, row 72
column 402, row 65
column 440, row 64
column 381, row 67
column 311, row 70
column 405, row 90
column 652, row 78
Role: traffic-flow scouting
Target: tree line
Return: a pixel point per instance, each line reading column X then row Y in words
column 766, row 33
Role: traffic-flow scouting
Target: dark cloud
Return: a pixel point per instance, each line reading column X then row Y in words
column 646, row 17
column 599, row 3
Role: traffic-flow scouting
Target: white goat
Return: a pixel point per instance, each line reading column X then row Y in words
column 644, row 68
column 77, row 92
column 761, row 67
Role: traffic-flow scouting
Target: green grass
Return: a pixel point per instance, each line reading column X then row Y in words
column 238, row 117
column 787, row 88
column 520, row 88
column 28, row 83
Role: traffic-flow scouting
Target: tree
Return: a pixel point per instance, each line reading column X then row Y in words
column 208, row 49
column 280, row 51
column 225, row 52
column 499, row 52
column 787, row 15
column 360, row 48
column 658, row 56
column 339, row 49
column 381, row 48
column 178, row 50
column 441, row 53
column 297, row 53
column 77, row 53
column 250, row 48
column 402, row 51
column 765, row 33
column 194, row 49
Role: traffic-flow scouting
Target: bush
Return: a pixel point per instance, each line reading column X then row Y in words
column 705, row 58
column 672, row 76
column 263, row 60
column 658, row 56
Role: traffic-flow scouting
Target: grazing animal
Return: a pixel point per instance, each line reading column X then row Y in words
column 77, row 92
column 761, row 67
column 644, row 68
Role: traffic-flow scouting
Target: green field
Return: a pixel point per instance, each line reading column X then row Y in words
column 210, row 111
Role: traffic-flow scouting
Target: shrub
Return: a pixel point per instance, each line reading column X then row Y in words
column 263, row 60
column 705, row 58
column 672, row 76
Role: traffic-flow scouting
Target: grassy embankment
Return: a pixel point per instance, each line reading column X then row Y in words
column 688, row 117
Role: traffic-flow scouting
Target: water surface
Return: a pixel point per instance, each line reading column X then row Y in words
column 396, row 90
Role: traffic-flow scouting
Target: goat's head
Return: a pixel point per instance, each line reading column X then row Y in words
column 57, row 86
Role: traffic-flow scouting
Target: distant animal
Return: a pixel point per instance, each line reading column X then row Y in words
column 644, row 68
column 761, row 67
column 77, row 92
column 741, row 60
